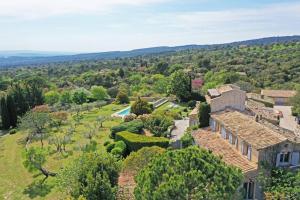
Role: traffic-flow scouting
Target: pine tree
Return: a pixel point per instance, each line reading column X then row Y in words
column 11, row 107
column 4, row 114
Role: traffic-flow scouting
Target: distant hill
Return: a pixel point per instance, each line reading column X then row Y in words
column 34, row 58
column 27, row 53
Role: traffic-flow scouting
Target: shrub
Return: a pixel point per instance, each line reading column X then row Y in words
column 138, row 160
column 106, row 143
column 121, row 145
column 158, row 124
column 135, row 126
column 129, row 117
column 110, row 147
column 13, row 131
column 117, row 151
column 192, row 104
column 135, row 142
column 140, row 107
column 187, row 140
column 122, row 98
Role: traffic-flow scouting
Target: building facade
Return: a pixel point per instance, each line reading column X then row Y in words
column 226, row 96
column 280, row 97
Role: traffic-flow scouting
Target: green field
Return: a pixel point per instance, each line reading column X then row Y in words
column 17, row 183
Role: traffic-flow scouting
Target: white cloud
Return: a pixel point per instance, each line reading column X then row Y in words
column 44, row 8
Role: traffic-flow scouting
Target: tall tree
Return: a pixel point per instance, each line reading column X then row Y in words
column 189, row 173
column 203, row 113
column 11, row 107
column 4, row 113
column 180, row 85
column 99, row 92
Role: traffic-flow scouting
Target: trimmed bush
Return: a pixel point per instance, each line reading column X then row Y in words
column 135, row 142
column 121, row 145
column 110, row 147
column 117, row 152
column 135, row 126
column 106, row 143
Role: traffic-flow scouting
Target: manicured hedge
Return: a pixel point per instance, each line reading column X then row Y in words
column 135, row 142
column 135, row 126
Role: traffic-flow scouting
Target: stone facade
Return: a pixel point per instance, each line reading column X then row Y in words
column 272, row 148
column 227, row 96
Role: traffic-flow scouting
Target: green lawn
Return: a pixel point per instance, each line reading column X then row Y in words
column 17, row 183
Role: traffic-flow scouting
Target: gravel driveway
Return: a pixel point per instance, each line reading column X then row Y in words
column 287, row 121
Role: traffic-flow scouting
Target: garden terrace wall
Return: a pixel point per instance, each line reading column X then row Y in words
column 135, row 142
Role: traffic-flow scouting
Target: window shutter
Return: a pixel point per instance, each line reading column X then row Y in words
column 249, row 152
column 277, row 159
column 295, row 158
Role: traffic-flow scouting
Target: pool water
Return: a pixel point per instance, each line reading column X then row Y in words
column 124, row 112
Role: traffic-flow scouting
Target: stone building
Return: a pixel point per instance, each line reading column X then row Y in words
column 226, row 96
column 245, row 143
column 280, row 97
column 242, row 140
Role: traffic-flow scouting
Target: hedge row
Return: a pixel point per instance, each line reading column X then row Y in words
column 135, row 142
column 135, row 126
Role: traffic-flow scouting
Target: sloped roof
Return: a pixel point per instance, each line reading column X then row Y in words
column 221, row 147
column 278, row 93
column 248, row 129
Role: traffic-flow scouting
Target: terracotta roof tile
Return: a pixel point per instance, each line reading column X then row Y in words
column 244, row 126
column 278, row 93
column 212, row 141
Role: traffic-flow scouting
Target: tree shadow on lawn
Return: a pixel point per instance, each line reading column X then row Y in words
column 37, row 189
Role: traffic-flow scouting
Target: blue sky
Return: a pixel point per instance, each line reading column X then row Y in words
column 105, row 25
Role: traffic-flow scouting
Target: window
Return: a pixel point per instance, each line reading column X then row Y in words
column 249, row 190
column 285, row 157
column 244, row 149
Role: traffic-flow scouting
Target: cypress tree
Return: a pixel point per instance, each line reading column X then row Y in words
column 11, row 107
column 4, row 114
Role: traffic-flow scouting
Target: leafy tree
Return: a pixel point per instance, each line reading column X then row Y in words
column 161, row 67
column 180, row 85
column 187, row 140
column 159, row 83
column 4, row 113
column 52, row 97
column 35, row 123
column 280, row 183
column 140, row 107
column 60, row 139
column 79, row 97
column 190, row 173
column 58, row 118
column 35, row 158
column 121, row 73
column 91, row 176
column 204, row 114
column 100, row 120
column 99, row 92
column 66, row 98
column 122, row 98
column 158, row 125
column 140, row 159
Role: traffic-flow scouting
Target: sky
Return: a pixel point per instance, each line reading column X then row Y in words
column 107, row 25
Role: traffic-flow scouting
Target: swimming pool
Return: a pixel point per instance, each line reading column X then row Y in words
column 122, row 113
